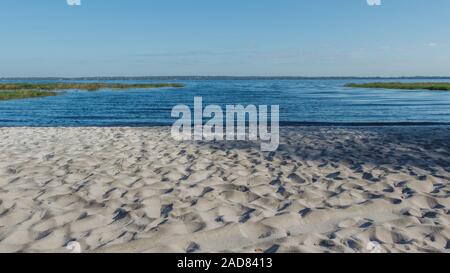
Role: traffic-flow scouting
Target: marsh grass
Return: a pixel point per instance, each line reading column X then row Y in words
column 83, row 86
column 9, row 91
column 439, row 86
column 23, row 94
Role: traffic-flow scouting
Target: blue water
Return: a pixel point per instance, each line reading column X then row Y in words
column 301, row 102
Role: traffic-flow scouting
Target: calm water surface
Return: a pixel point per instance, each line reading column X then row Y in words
column 301, row 102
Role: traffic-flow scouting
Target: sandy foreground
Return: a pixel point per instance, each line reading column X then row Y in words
column 136, row 190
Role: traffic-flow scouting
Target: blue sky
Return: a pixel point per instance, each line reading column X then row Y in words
column 224, row 37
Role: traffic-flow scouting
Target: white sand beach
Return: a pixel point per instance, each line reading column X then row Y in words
column 136, row 190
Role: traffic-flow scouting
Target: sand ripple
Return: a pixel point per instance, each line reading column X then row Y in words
column 137, row 190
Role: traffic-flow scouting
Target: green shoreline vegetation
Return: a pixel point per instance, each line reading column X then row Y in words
column 24, row 94
column 10, row 91
column 433, row 86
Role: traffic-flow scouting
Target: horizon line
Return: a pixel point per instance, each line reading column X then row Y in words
column 219, row 77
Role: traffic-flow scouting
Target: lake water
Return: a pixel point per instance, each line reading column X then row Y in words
column 301, row 102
